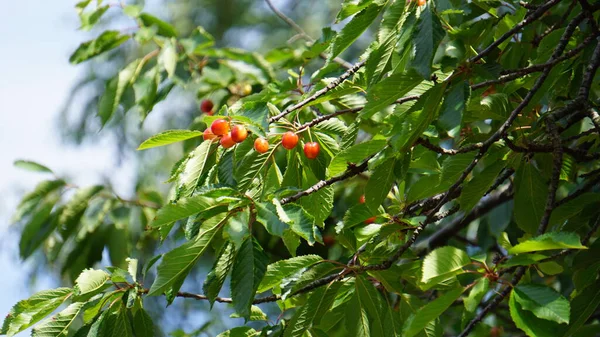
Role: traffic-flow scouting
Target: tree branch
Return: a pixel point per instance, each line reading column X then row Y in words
column 319, row 93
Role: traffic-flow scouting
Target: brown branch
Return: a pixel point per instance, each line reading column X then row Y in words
column 318, row 93
column 349, row 173
column 557, row 157
column 527, row 21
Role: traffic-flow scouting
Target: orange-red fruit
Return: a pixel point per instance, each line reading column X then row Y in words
column 227, row 141
column 208, row 134
column 239, row 133
column 289, row 140
column 362, row 199
column 311, row 150
column 422, row 2
column 261, row 145
column 220, row 127
column 370, row 220
column 206, row 106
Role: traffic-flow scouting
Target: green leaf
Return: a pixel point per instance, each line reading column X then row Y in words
column 255, row 315
column 583, row 307
column 32, row 199
column 319, row 302
column 318, row 204
column 109, row 102
column 184, row 208
column 89, row 19
column 530, row 197
column 387, row 91
column 108, row 40
column 426, row 37
column 454, row 106
column 252, row 166
column 526, row 320
column 194, row 168
column 299, row 220
column 355, row 154
column 356, row 215
column 387, row 38
column 548, row 241
column 412, row 123
column 371, row 302
column 216, row 277
column 267, row 215
column 142, row 323
column 242, row 331
column 453, row 167
column 442, row 264
column 280, row 270
column 169, row 137
column 432, row 310
column 474, row 190
column 116, row 324
column 176, row 264
column 31, row 166
column 164, row 28
column 357, row 320
column 75, row 208
column 40, row 225
column 544, row 302
column 59, row 324
column 379, row 184
column 476, row 295
column 168, row 58
column 359, row 23
column 249, row 268
column 90, row 281
column 28, row 312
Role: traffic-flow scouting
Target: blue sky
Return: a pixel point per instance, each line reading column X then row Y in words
column 36, row 38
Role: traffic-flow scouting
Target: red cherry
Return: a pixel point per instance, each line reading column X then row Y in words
column 206, row 106
column 362, row 199
column 239, row 133
column 261, row 145
column 226, row 141
column 370, row 220
column 311, row 150
column 289, row 140
column 422, row 2
column 328, row 240
column 220, row 127
column 208, row 135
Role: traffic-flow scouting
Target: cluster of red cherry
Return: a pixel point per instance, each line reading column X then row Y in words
column 220, row 128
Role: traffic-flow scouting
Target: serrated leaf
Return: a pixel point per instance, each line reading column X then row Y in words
column 474, row 190
column 252, row 166
column 387, row 91
column 526, row 321
column 108, row 40
column 193, row 169
column 371, row 302
column 359, row 23
column 248, row 270
column 184, row 208
column 379, row 184
column 28, row 312
column 116, row 324
column 319, row 302
column 256, row 314
column 355, row 154
column 530, row 197
column 90, row 281
column 168, row 58
column 216, row 277
column 426, row 37
column 443, row 263
column 169, row 137
column 548, row 241
column 59, row 324
column 280, row 270
column 299, row 220
column 39, row 226
column 421, row 318
column 267, row 215
column 142, row 323
column 31, row 166
column 452, row 110
column 412, row 123
column 453, row 167
column 176, row 264
column 111, row 98
column 544, row 302
column 583, row 307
